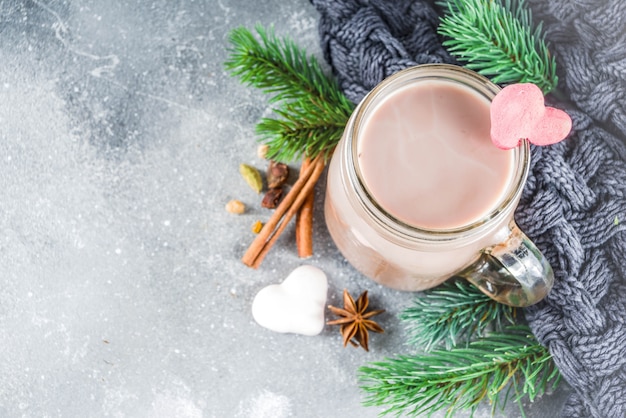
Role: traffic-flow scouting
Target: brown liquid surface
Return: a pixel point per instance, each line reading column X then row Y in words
column 426, row 156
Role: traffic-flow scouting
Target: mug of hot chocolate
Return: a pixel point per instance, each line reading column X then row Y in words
column 418, row 193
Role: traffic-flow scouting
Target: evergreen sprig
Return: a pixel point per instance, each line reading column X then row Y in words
column 453, row 313
column 496, row 39
column 461, row 378
column 312, row 111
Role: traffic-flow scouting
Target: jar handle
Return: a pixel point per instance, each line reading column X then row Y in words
column 514, row 272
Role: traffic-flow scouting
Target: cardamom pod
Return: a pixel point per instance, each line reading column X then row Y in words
column 252, row 176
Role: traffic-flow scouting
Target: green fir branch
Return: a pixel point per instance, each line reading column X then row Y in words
column 496, row 39
column 312, row 111
column 453, row 312
column 461, row 378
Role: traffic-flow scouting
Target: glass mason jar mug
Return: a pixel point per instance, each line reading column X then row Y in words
column 417, row 193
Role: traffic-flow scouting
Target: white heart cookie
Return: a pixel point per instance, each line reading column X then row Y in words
column 296, row 305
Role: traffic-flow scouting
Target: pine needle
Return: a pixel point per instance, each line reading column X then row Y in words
column 311, row 109
column 496, row 39
column 453, row 312
column 461, row 378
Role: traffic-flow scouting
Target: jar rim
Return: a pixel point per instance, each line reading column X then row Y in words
column 439, row 72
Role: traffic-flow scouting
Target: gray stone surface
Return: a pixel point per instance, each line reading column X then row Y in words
column 121, row 289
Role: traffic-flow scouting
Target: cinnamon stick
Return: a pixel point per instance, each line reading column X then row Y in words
column 304, row 221
column 284, row 212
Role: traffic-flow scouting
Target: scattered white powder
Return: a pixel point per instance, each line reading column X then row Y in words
column 168, row 406
column 265, row 405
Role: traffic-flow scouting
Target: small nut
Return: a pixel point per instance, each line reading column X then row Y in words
column 261, row 151
column 236, row 207
column 272, row 197
column 257, row 226
column 277, row 174
column 252, row 176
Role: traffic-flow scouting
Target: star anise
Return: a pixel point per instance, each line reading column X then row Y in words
column 355, row 321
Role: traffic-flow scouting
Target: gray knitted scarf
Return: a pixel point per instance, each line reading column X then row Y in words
column 574, row 204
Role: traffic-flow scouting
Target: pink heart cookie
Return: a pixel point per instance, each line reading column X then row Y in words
column 519, row 112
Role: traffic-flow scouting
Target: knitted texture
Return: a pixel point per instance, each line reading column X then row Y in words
column 589, row 37
column 574, row 204
column 365, row 42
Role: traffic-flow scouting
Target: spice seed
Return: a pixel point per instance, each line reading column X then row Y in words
column 261, row 151
column 257, row 226
column 235, row 206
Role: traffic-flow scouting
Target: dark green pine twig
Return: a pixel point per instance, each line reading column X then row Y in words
column 452, row 313
column 461, row 378
column 496, row 39
column 312, row 111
